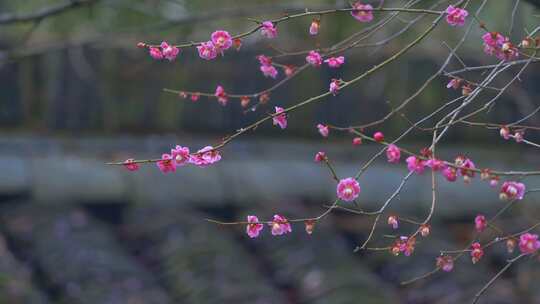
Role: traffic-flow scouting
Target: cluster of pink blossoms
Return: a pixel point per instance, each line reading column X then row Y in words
column 455, row 16
column 179, row 157
column 476, row 252
column 221, row 95
column 499, row 46
column 280, row 225
column 219, row 42
column 335, row 62
column 506, row 134
column 267, row 68
column 403, row 245
column 529, row 243
column 512, row 190
column 362, row 12
column 164, row 51
column 334, row 86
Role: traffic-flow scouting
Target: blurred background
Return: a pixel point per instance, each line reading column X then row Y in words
column 76, row 93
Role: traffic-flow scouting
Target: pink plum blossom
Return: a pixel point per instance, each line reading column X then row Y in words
column 505, row 133
column 180, row 155
column 425, row 230
column 281, row 119
column 334, row 87
column 320, row 156
column 415, row 164
column 492, row 42
column 518, row 136
column 254, row 227
column 362, row 12
column 357, row 141
column 378, row 137
column 450, row 174
column 446, row 263
column 289, row 70
column 393, row 154
column 335, row 62
column 268, row 30
column 529, row 243
column 169, row 51
column 404, row 244
column 393, row 221
column 222, row 40
column 264, row 60
column 166, row 164
column 205, row 157
column 323, row 130
column 207, row 50
column 130, row 165
column 480, row 223
column 156, row 53
column 269, row 71
column 512, row 190
column 348, row 189
column 195, row 96
column 221, row 95
column 314, row 58
column 477, row 252
column 454, row 83
column 280, row 225
column 314, row 27
column 456, row 16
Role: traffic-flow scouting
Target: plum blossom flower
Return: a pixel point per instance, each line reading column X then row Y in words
column 357, row 141
column 393, row 221
column 334, row 87
column 450, row 174
column 169, row 51
column 362, row 12
column 310, row 226
column 264, row 60
column 268, row 30
column 492, row 42
column 393, row 154
column 518, row 136
column 425, row 230
column 505, row 132
column 415, row 164
column 254, row 227
column 320, row 156
column 477, row 252
column 454, row 83
column 529, row 243
column 314, row 58
column 335, row 62
column 180, row 155
column 207, row 50
column 195, row 96
column 156, row 53
column 323, row 130
column 131, row 165
column 221, row 95
column 511, row 244
column 269, row 71
column 480, row 223
column 289, row 70
column 314, row 27
column 166, row 164
column 466, row 169
column 237, row 43
column 404, row 244
column 205, row 157
column 494, row 181
column 348, row 189
column 378, row 136
column 244, row 101
column 280, row 119
column 512, row 190
column 280, row 225
column 446, row 263
column 222, row 40
column 456, row 16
